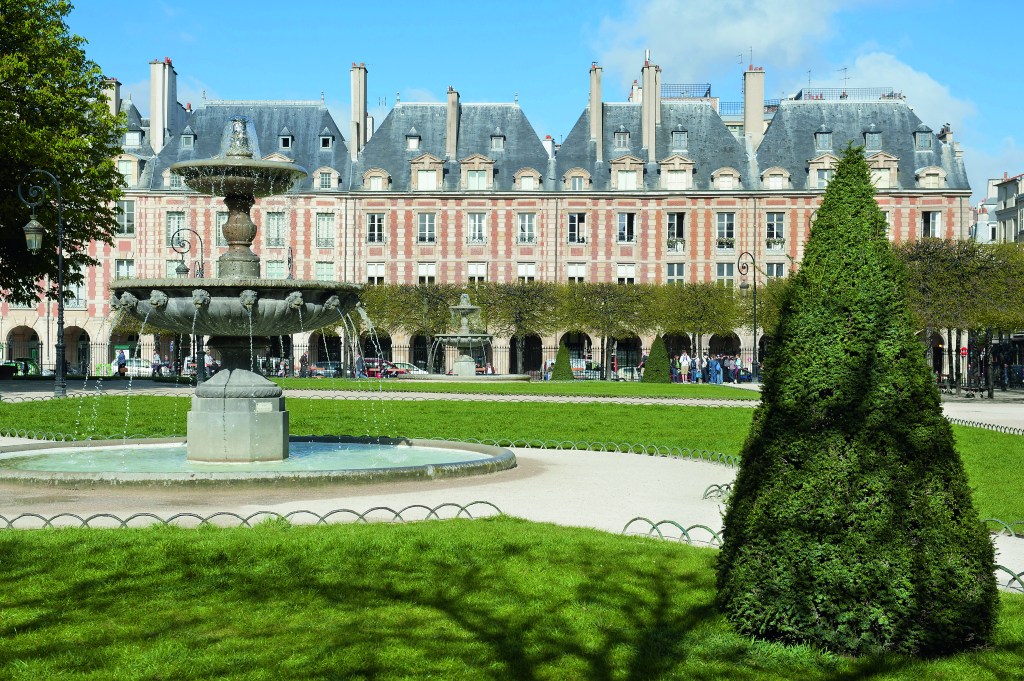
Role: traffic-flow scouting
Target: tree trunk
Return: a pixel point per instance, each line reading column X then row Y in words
column 950, row 358
column 988, row 361
column 929, row 352
column 520, row 351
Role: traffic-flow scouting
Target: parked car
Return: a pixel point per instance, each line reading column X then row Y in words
column 628, row 374
column 330, row 369
column 24, row 366
column 376, row 367
column 409, row 368
column 134, row 366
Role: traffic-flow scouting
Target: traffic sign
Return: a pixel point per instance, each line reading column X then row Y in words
column 963, row 352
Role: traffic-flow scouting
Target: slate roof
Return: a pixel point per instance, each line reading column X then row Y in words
column 789, row 140
column 387, row 148
column 211, row 126
column 709, row 143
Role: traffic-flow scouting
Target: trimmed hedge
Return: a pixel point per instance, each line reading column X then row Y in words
column 656, row 368
column 563, row 367
column 851, row 525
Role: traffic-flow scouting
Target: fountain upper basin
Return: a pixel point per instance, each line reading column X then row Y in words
column 235, row 307
column 238, row 176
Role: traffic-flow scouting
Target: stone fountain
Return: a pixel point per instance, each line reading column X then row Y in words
column 238, row 415
column 464, row 340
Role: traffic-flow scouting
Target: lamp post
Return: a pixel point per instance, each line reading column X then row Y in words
column 743, row 267
column 34, row 238
column 182, row 245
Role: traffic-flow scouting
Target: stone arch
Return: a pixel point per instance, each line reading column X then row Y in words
column 628, row 351
column 724, row 344
column 22, row 341
column 533, row 355
column 77, row 350
column 677, row 344
column 580, row 345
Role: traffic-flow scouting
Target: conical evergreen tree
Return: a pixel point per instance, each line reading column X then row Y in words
column 851, row 525
column 562, row 370
column 656, row 368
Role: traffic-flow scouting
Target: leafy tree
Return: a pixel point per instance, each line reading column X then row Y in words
column 700, row 309
column 656, row 369
column 611, row 311
column 851, row 525
column 563, row 367
column 53, row 116
column 518, row 310
column 420, row 309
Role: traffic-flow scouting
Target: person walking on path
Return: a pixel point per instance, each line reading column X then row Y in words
column 122, row 363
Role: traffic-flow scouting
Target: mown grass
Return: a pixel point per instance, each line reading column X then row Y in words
column 466, row 599
column 992, row 459
column 560, row 388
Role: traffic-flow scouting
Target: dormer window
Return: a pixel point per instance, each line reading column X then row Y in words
column 188, row 141
column 679, row 140
column 527, row 179
column 923, row 140
column 622, row 138
column 873, row 138
column 726, row 179
column 174, row 180
column 326, row 142
column 326, row 180
column 497, row 142
column 284, row 142
column 376, row 180
column 376, row 183
column 823, row 138
column 133, row 138
column 412, row 140
column 576, row 180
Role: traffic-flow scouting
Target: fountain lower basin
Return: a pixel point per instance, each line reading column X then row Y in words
column 310, row 459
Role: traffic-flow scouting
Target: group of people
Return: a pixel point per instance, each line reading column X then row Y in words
column 714, row 369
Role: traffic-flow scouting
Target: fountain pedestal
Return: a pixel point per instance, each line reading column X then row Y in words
column 464, row 365
column 237, row 416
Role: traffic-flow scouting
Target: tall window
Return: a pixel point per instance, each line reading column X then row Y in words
column 124, row 167
column 325, row 230
column 775, row 270
column 526, row 271
column 426, row 180
column 77, row 292
column 374, row 273
column 576, row 272
column 726, row 230
column 124, row 269
column 375, row 228
column 175, row 221
column 275, row 230
column 125, row 218
column 476, row 272
column 626, row 179
column 674, row 273
column 426, row 272
column 326, row 180
column 376, row 183
column 324, row 270
column 221, row 218
column 477, row 228
column 625, row 274
column 725, row 274
column 275, row 269
column 627, row 228
column 527, row 233
column 675, row 228
column 175, row 181
column 775, row 229
column 931, row 223
column 476, row 180
column 577, row 228
column 426, row 228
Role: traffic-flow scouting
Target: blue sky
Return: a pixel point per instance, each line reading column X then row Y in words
column 954, row 61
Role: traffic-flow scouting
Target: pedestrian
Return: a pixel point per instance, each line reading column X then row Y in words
column 684, row 367
column 155, row 367
column 122, row 363
column 360, row 367
column 304, row 365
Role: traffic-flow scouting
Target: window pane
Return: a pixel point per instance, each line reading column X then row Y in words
column 426, row 233
column 477, row 222
column 275, row 269
column 627, row 231
column 527, row 228
column 375, row 228
column 325, row 271
column 275, row 230
column 175, row 221
column 527, row 182
column 577, row 228
column 627, row 179
column 426, row 180
column 126, row 218
column 325, row 230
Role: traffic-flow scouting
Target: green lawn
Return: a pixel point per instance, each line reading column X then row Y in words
column 587, row 388
column 468, row 599
column 992, row 459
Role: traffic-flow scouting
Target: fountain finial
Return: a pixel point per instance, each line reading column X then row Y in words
column 239, row 147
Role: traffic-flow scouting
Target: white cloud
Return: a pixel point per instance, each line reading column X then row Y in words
column 419, row 95
column 983, row 165
column 191, row 89
column 932, row 101
column 694, row 40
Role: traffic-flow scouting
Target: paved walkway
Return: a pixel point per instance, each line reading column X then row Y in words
column 588, row 489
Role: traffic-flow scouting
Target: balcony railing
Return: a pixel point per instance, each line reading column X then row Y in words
column 775, row 243
column 325, row 242
column 676, row 245
column 526, row 239
column 726, row 242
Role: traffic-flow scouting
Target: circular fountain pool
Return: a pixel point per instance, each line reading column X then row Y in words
column 309, row 459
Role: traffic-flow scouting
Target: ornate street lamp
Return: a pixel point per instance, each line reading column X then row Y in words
column 34, row 239
column 182, row 245
column 743, row 268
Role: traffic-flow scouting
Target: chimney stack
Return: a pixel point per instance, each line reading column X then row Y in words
column 163, row 95
column 452, row 129
column 596, row 110
column 650, row 103
column 753, row 105
column 359, row 117
column 112, row 89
